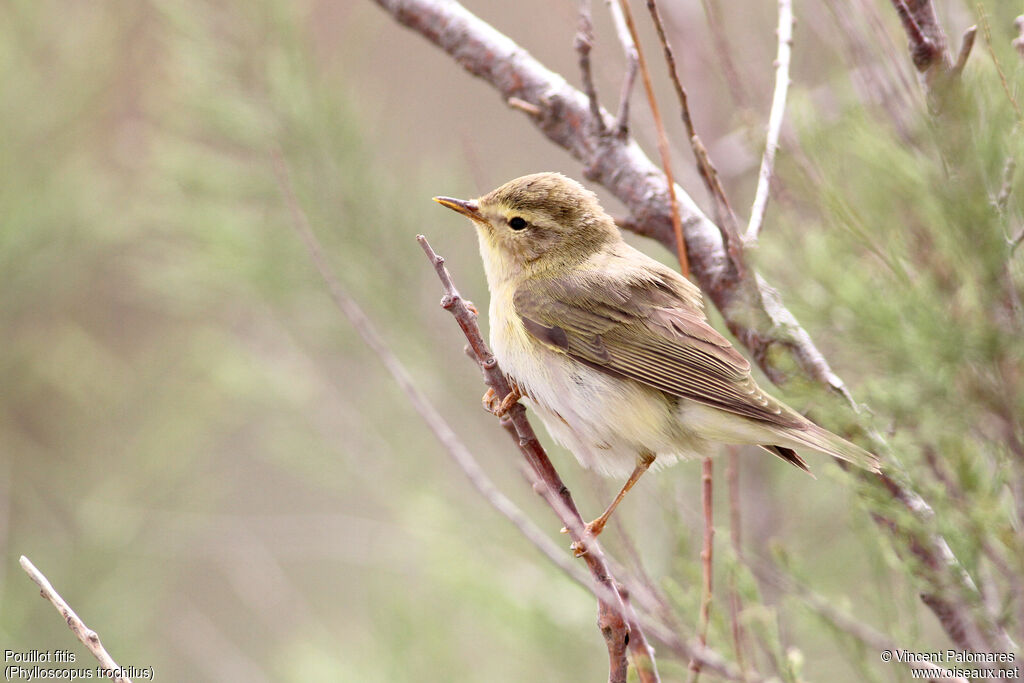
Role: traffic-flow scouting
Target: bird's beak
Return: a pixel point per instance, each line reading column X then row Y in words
column 467, row 207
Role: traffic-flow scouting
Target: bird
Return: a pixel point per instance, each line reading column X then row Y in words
column 611, row 348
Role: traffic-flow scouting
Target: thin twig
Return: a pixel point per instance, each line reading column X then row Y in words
column 583, row 44
column 663, row 149
column 524, row 106
column 732, row 476
column 966, row 43
column 85, row 635
column 621, row 127
column 707, row 490
column 613, row 620
column 709, row 174
column 771, row 144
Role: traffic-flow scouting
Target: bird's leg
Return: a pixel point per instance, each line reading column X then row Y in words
column 594, row 529
column 499, row 408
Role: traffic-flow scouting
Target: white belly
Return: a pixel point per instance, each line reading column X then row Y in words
column 606, row 422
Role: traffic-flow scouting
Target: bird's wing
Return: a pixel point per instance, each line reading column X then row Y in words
column 646, row 325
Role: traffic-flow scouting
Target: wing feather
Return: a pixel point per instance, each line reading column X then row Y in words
column 647, row 327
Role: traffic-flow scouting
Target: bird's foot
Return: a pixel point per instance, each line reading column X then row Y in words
column 499, row 408
column 590, row 531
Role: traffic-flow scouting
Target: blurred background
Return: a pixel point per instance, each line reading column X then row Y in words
column 206, row 461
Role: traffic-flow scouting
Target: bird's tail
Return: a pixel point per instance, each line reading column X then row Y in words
column 825, row 441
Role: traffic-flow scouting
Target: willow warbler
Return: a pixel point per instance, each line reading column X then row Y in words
column 612, row 348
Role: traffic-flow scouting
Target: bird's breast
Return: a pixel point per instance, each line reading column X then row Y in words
column 604, row 413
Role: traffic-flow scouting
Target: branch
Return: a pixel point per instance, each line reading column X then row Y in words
column 85, row 635
column 732, row 476
column 966, row 44
column 751, row 308
column 923, row 49
column 771, row 145
column 663, row 149
column 707, row 171
column 705, row 559
column 583, row 44
column 632, row 66
column 929, row 50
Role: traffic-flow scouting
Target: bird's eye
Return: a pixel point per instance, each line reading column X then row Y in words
column 517, row 223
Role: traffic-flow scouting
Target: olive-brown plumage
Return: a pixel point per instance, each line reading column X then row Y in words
column 612, row 348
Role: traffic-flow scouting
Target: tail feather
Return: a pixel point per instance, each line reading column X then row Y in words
column 825, row 441
column 790, row 456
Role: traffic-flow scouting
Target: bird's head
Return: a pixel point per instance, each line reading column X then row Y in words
column 536, row 223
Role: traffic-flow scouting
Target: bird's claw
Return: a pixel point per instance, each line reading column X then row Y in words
column 499, row 408
column 590, row 531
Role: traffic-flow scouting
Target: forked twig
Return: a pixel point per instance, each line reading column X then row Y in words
column 771, row 145
column 922, row 48
column 85, row 635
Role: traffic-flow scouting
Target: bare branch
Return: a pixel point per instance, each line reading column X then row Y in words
column 613, row 619
column 707, row 469
column 85, row 635
column 929, row 51
column 732, row 477
column 583, row 44
column 771, row 145
column 663, row 149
